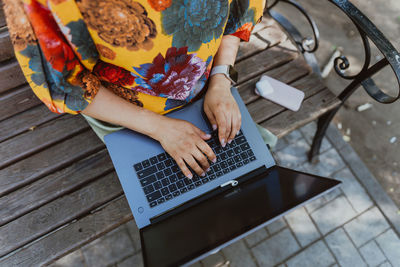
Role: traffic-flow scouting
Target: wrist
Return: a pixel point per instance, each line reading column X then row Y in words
column 219, row 81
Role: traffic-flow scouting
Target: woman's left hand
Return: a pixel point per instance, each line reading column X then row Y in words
column 221, row 109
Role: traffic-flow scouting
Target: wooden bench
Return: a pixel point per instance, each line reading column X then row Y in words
column 58, row 187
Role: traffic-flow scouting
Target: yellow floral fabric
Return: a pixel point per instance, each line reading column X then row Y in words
column 156, row 54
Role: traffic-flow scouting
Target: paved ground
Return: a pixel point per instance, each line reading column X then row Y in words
column 356, row 225
column 371, row 130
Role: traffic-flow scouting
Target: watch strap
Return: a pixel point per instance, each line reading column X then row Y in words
column 223, row 69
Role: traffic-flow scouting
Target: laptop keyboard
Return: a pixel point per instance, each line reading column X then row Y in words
column 162, row 179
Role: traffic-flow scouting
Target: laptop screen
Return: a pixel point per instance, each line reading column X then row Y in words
column 223, row 217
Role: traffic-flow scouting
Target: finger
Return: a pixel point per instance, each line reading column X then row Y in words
column 228, row 119
column 236, row 123
column 211, row 118
column 194, row 165
column 185, row 170
column 202, row 160
column 206, row 149
column 202, row 134
column 221, row 122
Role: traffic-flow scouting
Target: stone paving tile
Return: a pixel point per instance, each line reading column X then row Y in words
column 256, row 237
column 309, row 131
column 315, row 204
column 132, row 261
column 385, row 264
column 276, row 226
column 354, row 192
column 134, row 233
column 344, row 250
column 366, row 226
column 275, row 249
column 75, row 259
column 333, row 214
column 315, row 255
column 333, row 194
column 329, row 162
column 213, row 260
column 293, row 155
column 109, row 248
column 238, row 255
column 389, row 242
column 372, row 254
column 302, row 226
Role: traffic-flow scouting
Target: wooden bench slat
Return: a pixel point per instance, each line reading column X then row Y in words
column 267, row 37
column 262, row 109
column 6, row 47
column 48, row 161
column 22, row 122
column 44, row 135
column 36, row 194
column 312, row 108
column 287, row 73
column 58, row 212
column 72, row 236
column 11, row 75
column 16, row 101
column 264, row 61
column 2, row 17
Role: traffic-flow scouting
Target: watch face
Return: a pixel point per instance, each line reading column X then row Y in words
column 233, row 74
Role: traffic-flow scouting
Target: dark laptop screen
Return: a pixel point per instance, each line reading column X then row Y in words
column 203, row 227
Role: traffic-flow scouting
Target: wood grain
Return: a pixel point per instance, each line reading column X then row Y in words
column 38, row 193
column 47, row 161
column 71, row 237
column 6, row 47
column 2, row 17
column 43, row 136
column 16, row 101
column 11, row 75
column 58, row 212
column 311, row 109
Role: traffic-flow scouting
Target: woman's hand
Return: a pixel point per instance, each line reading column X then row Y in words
column 185, row 143
column 221, row 109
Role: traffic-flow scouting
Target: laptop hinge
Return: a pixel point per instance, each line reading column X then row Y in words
column 207, row 195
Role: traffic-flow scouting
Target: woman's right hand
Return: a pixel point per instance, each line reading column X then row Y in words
column 185, row 143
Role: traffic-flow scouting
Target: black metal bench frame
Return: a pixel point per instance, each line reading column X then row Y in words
column 309, row 45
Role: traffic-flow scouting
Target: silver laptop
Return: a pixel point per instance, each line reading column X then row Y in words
column 183, row 220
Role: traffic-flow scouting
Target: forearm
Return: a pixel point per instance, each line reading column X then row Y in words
column 108, row 107
column 226, row 55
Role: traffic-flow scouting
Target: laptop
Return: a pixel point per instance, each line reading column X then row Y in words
column 183, row 220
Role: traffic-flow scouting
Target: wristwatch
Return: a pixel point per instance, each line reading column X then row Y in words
column 228, row 70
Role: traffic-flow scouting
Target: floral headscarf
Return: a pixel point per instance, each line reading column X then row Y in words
column 154, row 53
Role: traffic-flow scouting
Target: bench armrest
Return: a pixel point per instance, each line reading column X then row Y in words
column 367, row 30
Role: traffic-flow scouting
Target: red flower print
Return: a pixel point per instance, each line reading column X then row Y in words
column 113, row 74
column 159, row 5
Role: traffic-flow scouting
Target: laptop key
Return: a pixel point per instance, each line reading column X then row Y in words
column 165, row 182
column 231, row 162
column 245, row 146
column 240, row 164
column 168, row 197
column 180, row 175
column 153, row 196
column 167, row 172
column 175, row 168
column 219, row 174
column 231, row 168
column 212, row 177
column 157, row 185
column 176, row 193
column 173, row 178
column 250, row 153
column 237, row 159
column 148, row 180
column 183, row 190
column 161, row 200
column 146, row 163
column 225, row 171
column 153, row 204
column 160, row 175
column 223, row 156
column 198, row 183
column 146, row 172
column 230, row 153
column 218, row 150
column 153, row 160
column 205, row 180
column 195, row 178
column 160, row 166
column 161, row 157
column 172, row 188
column 180, row 184
column 138, row 167
column 164, row 191
column 244, row 155
column 224, row 165
column 191, row 187
column 169, row 162
column 252, row 158
column 246, row 161
column 241, row 139
column 148, row 189
column 188, row 181
column 237, row 150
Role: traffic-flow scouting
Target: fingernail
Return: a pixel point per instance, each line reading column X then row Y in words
column 238, row 132
column 190, row 176
column 223, row 142
column 208, row 170
column 203, row 174
column 214, row 160
column 208, row 136
column 214, row 126
column 230, row 141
